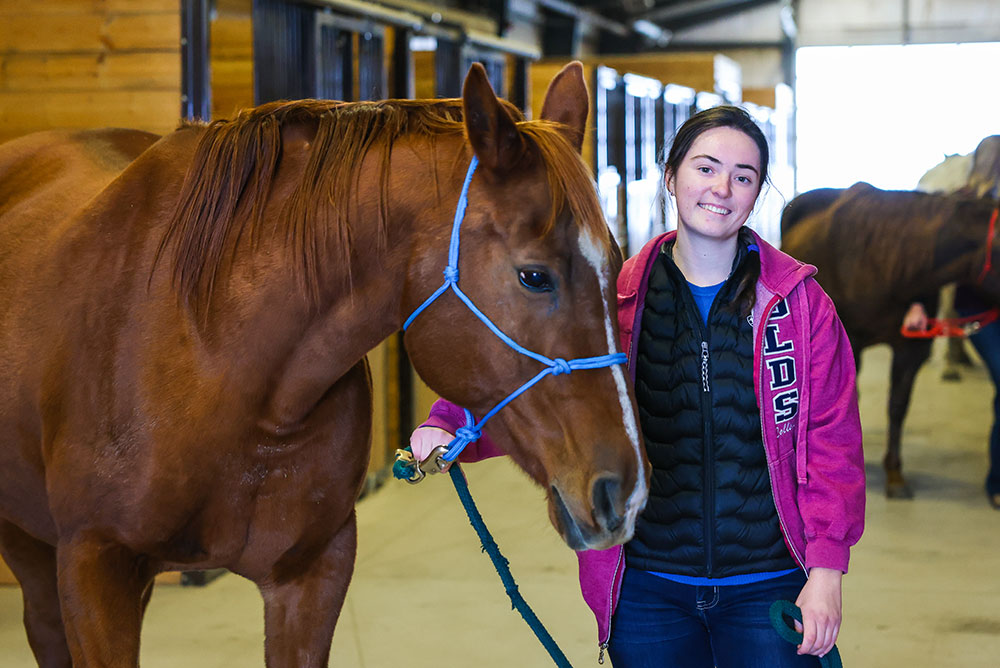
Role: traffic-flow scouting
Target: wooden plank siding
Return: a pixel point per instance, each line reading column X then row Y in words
column 89, row 63
column 231, row 52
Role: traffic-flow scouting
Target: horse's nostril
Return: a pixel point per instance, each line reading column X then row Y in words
column 606, row 491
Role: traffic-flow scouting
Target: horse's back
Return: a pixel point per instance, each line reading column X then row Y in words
column 807, row 204
column 48, row 173
column 46, row 179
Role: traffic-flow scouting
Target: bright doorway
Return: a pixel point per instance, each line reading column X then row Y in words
column 887, row 114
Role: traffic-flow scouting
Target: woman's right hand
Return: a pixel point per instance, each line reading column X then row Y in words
column 423, row 440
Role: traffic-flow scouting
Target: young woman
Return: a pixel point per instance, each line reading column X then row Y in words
column 745, row 385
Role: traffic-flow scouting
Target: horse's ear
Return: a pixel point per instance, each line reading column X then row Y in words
column 490, row 128
column 567, row 102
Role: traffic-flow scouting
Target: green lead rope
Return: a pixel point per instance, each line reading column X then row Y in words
column 404, row 469
column 781, row 609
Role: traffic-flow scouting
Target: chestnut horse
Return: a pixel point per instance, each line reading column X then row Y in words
column 184, row 323
column 877, row 252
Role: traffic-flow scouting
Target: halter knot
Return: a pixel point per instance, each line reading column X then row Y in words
column 468, row 434
column 451, row 274
column 560, row 366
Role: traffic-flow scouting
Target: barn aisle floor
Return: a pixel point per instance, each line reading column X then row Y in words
column 924, row 587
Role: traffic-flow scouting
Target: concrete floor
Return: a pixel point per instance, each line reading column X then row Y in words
column 924, row 587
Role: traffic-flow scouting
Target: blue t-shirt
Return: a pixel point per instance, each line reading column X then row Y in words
column 704, row 296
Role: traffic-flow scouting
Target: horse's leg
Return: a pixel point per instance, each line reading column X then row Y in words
column 955, row 352
column 103, row 587
column 301, row 609
column 34, row 564
column 907, row 357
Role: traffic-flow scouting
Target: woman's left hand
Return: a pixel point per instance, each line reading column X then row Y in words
column 820, row 602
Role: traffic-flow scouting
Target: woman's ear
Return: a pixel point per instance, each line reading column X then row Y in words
column 668, row 179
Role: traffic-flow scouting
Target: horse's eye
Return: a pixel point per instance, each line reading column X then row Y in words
column 536, row 280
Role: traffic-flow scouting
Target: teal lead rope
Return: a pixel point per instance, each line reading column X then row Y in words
column 781, row 609
column 500, row 564
column 404, row 470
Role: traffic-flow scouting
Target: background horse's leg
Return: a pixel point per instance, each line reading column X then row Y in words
column 907, row 357
column 103, row 588
column 34, row 564
column 300, row 613
column 956, row 354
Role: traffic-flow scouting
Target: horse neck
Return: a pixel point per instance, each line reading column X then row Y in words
column 958, row 250
column 399, row 237
column 363, row 297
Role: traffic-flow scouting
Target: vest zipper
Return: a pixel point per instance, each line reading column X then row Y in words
column 709, row 472
column 704, row 366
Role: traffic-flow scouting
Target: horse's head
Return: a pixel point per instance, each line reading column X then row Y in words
column 538, row 259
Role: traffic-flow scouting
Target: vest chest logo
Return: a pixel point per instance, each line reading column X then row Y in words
column 780, row 364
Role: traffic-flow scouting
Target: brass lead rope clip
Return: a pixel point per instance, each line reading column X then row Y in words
column 434, row 463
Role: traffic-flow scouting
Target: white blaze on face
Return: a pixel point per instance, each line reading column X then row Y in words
column 594, row 254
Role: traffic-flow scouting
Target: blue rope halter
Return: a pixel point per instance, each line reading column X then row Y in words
column 472, row 430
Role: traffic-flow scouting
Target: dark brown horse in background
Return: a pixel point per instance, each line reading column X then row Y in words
column 877, row 252
column 184, row 323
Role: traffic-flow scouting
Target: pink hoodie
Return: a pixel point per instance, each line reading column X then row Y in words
column 804, row 380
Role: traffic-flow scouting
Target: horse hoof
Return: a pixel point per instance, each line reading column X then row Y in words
column 994, row 500
column 899, row 490
column 952, row 375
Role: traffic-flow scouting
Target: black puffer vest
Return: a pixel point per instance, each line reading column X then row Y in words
column 711, row 512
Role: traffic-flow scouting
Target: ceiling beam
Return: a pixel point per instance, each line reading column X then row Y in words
column 698, row 11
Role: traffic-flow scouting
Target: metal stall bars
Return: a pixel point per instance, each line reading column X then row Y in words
column 674, row 107
column 307, row 49
column 609, row 151
column 635, row 117
column 776, row 124
column 450, row 50
column 644, row 218
column 196, row 89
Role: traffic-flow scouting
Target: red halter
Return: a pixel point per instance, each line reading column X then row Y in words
column 953, row 327
column 989, row 246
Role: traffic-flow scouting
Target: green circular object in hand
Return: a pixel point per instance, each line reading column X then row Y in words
column 781, row 609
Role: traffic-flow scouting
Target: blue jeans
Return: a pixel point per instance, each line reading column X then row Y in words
column 987, row 344
column 663, row 624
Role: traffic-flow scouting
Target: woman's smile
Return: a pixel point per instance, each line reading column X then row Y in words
column 716, row 209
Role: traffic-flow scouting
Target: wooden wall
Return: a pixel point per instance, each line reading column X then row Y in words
column 89, row 63
column 231, row 57
column 541, row 73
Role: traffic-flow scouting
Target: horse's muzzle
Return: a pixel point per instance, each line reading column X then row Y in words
column 607, row 521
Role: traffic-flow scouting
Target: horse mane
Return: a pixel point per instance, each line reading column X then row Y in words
column 226, row 187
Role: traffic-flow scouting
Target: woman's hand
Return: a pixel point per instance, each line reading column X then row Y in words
column 423, row 440
column 820, row 602
column 915, row 318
